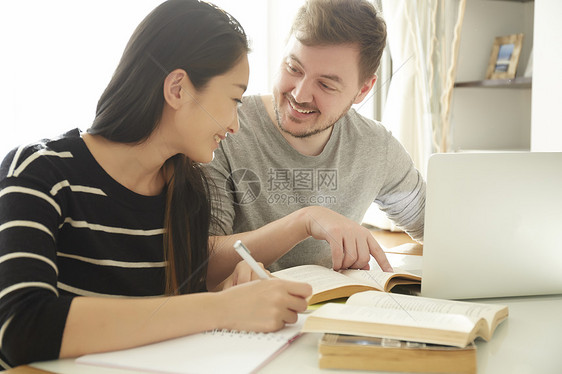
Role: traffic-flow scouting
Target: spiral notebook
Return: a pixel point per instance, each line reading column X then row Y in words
column 207, row 352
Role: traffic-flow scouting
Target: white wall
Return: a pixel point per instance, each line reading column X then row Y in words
column 57, row 57
column 280, row 15
column 546, row 134
column 491, row 118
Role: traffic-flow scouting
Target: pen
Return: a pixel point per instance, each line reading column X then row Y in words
column 246, row 256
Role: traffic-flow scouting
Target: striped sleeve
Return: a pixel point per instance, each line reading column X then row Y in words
column 32, row 313
column 68, row 229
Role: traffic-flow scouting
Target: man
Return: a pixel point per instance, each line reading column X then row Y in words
column 303, row 152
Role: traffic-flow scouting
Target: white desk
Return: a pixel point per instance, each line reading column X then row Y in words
column 528, row 342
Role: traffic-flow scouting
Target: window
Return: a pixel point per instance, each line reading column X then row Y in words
column 58, row 56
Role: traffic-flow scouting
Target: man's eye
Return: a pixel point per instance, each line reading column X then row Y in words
column 291, row 68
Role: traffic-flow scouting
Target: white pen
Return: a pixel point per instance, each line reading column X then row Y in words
column 246, row 256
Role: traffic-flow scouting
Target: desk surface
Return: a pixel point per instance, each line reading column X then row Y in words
column 527, row 342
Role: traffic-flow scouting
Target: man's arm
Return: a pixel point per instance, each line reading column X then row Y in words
column 402, row 197
column 351, row 244
column 222, row 199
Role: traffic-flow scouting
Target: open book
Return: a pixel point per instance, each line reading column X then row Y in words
column 328, row 284
column 411, row 318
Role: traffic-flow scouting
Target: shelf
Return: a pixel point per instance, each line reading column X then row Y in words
column 520, row 82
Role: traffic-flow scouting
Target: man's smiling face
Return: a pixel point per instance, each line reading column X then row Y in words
column 315, row 87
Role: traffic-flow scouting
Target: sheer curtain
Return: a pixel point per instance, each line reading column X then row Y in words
column 423, row 38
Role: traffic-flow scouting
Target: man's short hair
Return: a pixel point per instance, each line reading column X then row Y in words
column 332, row 22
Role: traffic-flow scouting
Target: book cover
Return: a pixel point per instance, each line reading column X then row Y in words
column 381, row 354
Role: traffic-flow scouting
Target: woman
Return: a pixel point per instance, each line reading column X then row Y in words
column 119, row 215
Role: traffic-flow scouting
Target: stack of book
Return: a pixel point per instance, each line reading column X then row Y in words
column 391, row 332
column 381, row 354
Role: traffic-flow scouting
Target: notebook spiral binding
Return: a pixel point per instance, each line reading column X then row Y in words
column 247, row 334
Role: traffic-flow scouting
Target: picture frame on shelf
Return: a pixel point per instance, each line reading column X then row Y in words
column 529, row 68
column 504, row 57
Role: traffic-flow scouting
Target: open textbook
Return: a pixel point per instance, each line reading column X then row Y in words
column 328, row 284
column 411, row 318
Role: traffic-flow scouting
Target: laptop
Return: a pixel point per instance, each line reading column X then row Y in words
column 493, row 225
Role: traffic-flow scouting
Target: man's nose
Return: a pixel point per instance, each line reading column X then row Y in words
column 302, row 93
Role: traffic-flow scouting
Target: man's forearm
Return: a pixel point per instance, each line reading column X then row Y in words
column 267, row 244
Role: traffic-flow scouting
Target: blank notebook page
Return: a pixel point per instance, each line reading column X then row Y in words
column 208, row 352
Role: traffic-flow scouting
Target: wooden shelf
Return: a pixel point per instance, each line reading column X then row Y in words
column 520, row 82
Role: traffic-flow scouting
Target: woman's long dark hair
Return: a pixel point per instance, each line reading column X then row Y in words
column 205, row 41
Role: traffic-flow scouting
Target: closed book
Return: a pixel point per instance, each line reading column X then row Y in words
column 381, row 354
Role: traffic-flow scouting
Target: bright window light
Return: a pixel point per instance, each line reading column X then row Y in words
column 58, row 56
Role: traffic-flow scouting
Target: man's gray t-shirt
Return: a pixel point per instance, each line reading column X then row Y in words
column 261, row 178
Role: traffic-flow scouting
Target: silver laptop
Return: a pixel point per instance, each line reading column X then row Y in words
column 493, row 225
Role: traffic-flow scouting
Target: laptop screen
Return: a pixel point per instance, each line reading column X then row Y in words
column 492, row 225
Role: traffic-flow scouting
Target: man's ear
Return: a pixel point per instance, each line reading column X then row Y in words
column 365, row 89
column 177, row 88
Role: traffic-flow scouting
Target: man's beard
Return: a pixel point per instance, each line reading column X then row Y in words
column 327, row 125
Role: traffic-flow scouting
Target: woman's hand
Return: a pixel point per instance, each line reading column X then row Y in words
column 242, row 273
column 263, row 305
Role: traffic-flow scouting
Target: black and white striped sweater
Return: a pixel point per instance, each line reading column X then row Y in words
column 68, row 229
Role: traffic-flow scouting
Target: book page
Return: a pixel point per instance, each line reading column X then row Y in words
column 320, row 278
column 379, row 278
column 395, row 317
column 424, row 304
